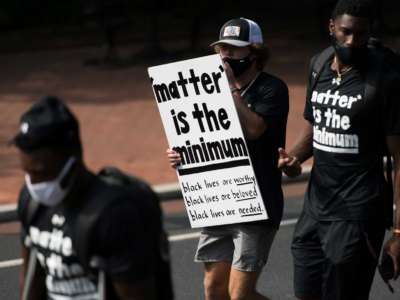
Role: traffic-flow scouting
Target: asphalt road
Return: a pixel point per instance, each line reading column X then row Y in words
column 275, row 280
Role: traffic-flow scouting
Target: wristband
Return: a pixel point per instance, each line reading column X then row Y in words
column 396, row 231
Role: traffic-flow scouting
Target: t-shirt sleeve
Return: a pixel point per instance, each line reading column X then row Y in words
column 274, row 103
column 22, row 208
column 124, row 243
column 308, row 111
column 392, row 108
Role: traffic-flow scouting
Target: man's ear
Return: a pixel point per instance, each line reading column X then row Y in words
column 331, row 27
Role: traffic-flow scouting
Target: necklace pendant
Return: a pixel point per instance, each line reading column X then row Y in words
column 336, row 80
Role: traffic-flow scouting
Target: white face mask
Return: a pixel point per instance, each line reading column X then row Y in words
column 49, row 193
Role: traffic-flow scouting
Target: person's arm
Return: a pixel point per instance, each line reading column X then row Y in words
column 392, row 246
column 303, row 148
column 391, row 122
column 126, row 244
column 37, row 286
column 290, row 162
column 140, row 290
column 37, row 283
column 253, row 124
column 23, row 269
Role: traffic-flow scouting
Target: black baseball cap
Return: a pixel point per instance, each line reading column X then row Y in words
column 240, row 32
column 47, row 123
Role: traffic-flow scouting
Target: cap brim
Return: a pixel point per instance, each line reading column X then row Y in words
column 17, row 141
column 236, row 43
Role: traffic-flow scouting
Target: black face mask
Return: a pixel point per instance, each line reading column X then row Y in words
column 350, row 55
column 239, row 66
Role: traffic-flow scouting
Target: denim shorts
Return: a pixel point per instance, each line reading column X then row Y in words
column 245, row 246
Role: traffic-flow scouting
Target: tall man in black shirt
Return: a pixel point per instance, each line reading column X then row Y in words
column 234, row 255
column 60, row 198
column 352, row 112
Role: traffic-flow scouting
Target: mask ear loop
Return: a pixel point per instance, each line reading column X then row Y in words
column 65, row 174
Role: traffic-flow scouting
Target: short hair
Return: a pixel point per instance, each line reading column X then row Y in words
column 261, row 52
column 356, row 8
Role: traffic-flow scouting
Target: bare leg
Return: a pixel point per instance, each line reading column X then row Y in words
column 242, row 286
column 216, row 280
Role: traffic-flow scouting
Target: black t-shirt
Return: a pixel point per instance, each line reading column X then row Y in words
column 348, row 138
column 121, row 238
column 268, row 97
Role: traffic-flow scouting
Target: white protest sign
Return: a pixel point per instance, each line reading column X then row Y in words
column 201, row 123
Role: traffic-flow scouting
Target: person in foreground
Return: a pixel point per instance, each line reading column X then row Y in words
column 82, row 236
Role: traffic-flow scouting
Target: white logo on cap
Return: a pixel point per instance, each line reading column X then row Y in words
column 231, row 31
column 24, row 127
column 58, row 220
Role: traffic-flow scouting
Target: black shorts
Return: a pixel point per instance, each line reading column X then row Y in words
column 335, row 260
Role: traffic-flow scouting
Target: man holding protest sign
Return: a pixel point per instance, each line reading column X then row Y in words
column 235, row 254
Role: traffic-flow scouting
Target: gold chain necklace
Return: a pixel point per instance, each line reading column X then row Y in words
column 338, row 79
